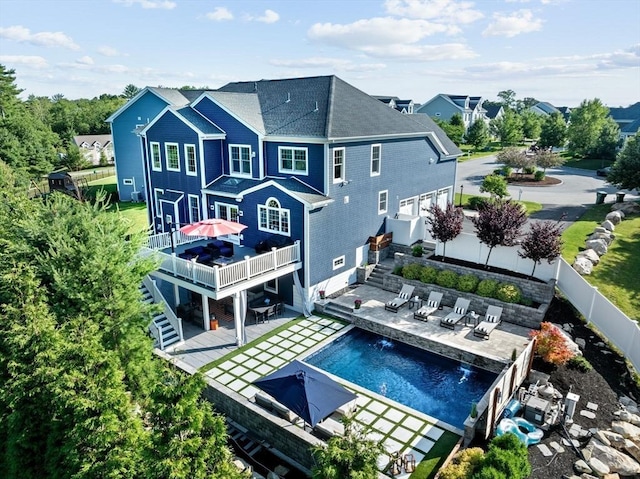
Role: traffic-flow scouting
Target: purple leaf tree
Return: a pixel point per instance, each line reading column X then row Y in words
column 445, row 224
column 498, row 224
column 542, row 241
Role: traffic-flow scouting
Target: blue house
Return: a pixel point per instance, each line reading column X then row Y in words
column 310, row 163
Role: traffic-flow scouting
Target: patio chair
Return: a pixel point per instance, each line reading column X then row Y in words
column 433, row 303
column 402, row 298
column 455, row 316
column 489, row 323
column 271, row 312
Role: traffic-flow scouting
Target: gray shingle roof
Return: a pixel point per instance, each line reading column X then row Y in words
column 171, row 95
column 245, row 106
column 199, row 121
column 631, row 112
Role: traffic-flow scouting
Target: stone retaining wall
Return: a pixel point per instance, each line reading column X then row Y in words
column 513, row 313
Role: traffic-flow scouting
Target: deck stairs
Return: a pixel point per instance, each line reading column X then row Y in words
column 169, row 334
column 338, row 310
column 379, row 272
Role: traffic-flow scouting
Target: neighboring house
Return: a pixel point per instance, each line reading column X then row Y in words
column 443, row 107
column 403, row 106
column 493, row 112
column 628, row 119
column 313, row 161
column 544, row 108
column 93, row 146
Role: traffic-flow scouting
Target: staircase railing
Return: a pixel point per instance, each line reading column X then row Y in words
column 174, row 320
column 157, row 335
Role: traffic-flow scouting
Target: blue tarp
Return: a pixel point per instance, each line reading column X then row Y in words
column 304, row 390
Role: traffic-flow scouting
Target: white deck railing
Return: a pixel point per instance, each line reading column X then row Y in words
column 158, row 298
column 163, row 240
column 220, row 277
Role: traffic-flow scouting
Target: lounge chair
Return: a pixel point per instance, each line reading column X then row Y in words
column 403, row 298
column 432, row 305
column 455, row 316
column 489, row 323
column 267, row 402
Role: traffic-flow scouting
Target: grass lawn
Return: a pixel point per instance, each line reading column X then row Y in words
column 471, row 154
column 616, row 276
column 530, row 206
column 432, row 462
column 136, row 213
column 588, row 163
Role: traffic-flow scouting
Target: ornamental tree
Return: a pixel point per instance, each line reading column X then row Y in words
column 551, row 344
column 625, row 172
column 514, row 157
column 496, row 185
column 542, row 241
column 547, row 159
column 444, row 225
column 499, row 224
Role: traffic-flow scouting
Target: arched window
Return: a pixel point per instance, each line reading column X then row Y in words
column 273, row 218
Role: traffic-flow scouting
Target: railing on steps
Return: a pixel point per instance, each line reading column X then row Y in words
column 175, row 321
column 157, row 335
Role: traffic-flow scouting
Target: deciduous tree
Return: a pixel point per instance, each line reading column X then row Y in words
column 498, row 224
column 496, row 185
column 514, row 157
column 553, row 131
column 445, row 224
column 585, row 127
column 625, row 172
column 531, row 124
column 507, row 128
column 478, row 134
column 542, row 241
column 547, row 159
column 551, row 345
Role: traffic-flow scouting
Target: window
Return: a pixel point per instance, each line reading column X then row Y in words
column 338, row 262
column 271, row 286
column 240, row 159
column 382, row 201
column 338, row 165
column 190, row 160
column 156, row 161
column 407, row 206
column 273, row 218
column 173, row 156
column 227, row 212
column 376, row 151
column 156, row 196
column 194, row 208
column 292, row 160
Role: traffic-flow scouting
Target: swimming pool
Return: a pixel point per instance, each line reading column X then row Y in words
column 421, row 380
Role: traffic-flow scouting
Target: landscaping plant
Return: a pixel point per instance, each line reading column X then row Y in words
column 551, row 345
column 499, row 224
column 445, row 224
column 467, row 283
column 495, row 185
column 447, row 279
column 412, row 271
column 542, row 241
column 487, row 288
column 463, row 464
column 428, row 274
column 508, row 293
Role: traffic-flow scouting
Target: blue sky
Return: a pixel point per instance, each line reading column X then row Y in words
column 561, row 51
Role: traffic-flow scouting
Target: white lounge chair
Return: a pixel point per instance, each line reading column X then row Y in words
column 432, row 305
column 267, row 402
column 489, row 323
column 403, row 298
column 455, row 316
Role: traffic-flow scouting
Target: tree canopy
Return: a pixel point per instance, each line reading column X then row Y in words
column 478, row 134
column 542, row 241
column 507, row 128
column 585, row 135
column 498, row 224
column 553, row 131
column 625, row 172
column 445, row 224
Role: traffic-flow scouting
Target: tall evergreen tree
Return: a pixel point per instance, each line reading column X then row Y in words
column 478, row 134
column 625, row 172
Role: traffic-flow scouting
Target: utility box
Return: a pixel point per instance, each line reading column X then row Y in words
column 571, row 402
column 536, row 409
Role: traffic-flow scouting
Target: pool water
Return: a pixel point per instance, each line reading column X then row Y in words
column 424, row 381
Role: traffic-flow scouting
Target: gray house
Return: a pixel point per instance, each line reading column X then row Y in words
column 443, row 107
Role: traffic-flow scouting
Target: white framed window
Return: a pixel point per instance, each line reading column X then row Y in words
column 271, row 286
column 172, row 154
column 156, row 198
column 156, row 161
column 338, row 165
column 338, row 262
column 240, row 160
column 273, row 218
column 127, row 182
column 376, row 158
column 383, row 201
column 194, row 208
column 292, row 160
column 190, row 160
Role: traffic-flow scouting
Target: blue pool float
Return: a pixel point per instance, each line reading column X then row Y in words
column 517, row 426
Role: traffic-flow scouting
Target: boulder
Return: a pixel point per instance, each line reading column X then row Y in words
column 602, row 437
column 600, row 229
column 627, row 207
column 591, row 255
column 615, row 217
column 582, row 265
column 616, row 440
column 632, row 449
column 608, row 225
column 580, row 466
column 598, row 245
column 629, row 404
column 608, row 237
column 626, row 429
column 613, row 459
column 627, row 416
column 599, row 467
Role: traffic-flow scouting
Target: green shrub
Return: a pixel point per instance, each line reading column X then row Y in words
column 467, row 283
column 417, row 250
column 580, row 363
column 487, row 288
column 508, row 455
column 539, row 175
column 412, row 271
column 529, row 170
column 508, row 292
column 447, row 278
column 477, row 202
column 428, row 274
column 489, row 473
column 526, row 301
column 463, row 464
column 398, row 270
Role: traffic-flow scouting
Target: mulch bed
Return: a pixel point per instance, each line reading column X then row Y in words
column 517, row 179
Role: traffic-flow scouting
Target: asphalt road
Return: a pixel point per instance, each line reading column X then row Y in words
column 564, row 202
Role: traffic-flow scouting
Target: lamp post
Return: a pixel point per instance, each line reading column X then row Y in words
column 461, row 188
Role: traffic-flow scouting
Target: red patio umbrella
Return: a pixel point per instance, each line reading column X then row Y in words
column 213, row 227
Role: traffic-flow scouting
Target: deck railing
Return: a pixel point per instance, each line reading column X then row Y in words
column 158, row 298
column 220, row 277
column 163, row 240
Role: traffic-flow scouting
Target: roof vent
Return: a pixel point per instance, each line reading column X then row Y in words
column 288, row 98
column 255, row 86
column 316, row 109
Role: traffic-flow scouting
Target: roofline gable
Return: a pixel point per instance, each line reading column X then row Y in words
column 169, row 109
column 223, row 107
column 140, row 94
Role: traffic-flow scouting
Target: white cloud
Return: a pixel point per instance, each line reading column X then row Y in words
column 325, row 63
column 20, row 34
column 32, row 61
column 513, row 24
column 85, row 60
column 423, row 53
column 447, row 11
column 269, row 17
column 108, row 51
column 629, row 58
column 150, row 4
column 219, row 14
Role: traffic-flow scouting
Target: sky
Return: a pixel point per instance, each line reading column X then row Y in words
column 559, row 51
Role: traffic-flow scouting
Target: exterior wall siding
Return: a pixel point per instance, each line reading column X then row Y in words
column 315, row 163
column 442, row 106
column 127, row 145
column 213, row 155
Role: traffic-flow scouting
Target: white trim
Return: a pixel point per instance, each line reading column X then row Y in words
column 235, row 239
column 293, row 170
column 379, row 146
column 166, row 155
column 240, row 148
column 156, row 200
column 333, row 165
column 190, row 208
column 339, row 262
column 189, row 171
column 283, row 213
column 386, row 201
column 155, row 167
column 127, row 181
column 271, row 290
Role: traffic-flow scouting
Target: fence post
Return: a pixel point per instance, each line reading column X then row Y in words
column 593, row 300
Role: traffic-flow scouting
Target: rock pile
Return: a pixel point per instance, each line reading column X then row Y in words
column 598, row 242
column 615, row 452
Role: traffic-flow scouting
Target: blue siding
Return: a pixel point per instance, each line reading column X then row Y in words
column 213, row 155
column 237, row 133
column 127, row 145
column 315, row 163
column 339, row 228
